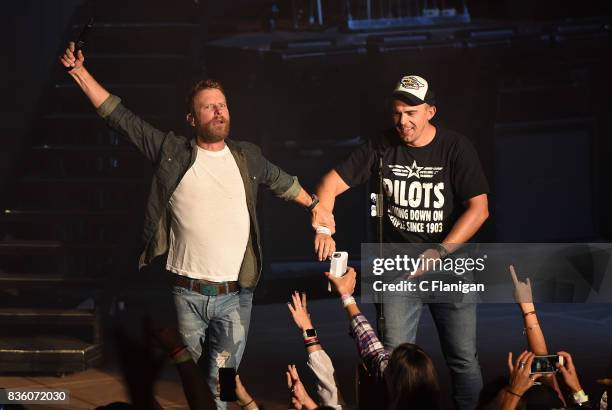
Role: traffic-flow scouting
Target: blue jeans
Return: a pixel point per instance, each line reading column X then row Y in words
column 456, row 324
column 215, row 330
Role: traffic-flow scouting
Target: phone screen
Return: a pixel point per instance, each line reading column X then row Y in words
column 227, row 382
column 544, row 364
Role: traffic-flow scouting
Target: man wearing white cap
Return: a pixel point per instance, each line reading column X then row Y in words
column 426, row 169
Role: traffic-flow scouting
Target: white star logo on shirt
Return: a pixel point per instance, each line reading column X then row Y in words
column 419, row 172
column 414, row 170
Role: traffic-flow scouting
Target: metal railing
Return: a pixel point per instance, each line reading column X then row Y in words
column 377, row 14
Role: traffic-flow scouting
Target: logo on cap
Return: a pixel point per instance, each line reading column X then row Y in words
column 411, row 82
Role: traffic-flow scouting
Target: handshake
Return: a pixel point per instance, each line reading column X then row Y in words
column 323, row 223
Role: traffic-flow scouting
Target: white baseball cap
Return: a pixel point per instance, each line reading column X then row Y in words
column 414, row 90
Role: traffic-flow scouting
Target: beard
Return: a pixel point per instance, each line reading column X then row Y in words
column 214, row 131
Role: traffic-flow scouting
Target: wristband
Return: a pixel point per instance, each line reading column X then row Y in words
column 345, row 296
column 580, row 397
column 182, row 357
column 177, row 351
column 533, row 312
column 324, row 230
column 511, row 392
column 250, row 406
column 348, row 301
column 307, row 345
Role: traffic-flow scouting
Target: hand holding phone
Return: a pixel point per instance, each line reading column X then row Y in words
column 568, row 371
column 79, row 43
column 338, row 266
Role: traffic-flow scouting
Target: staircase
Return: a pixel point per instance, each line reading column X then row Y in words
column 73, row 218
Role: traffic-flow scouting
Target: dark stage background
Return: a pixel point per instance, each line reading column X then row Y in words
column 527, row 82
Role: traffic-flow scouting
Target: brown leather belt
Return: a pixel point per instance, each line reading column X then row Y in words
column 205, row 287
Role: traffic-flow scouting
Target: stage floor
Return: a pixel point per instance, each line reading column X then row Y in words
column 583, row 330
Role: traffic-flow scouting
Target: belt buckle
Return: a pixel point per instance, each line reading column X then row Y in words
column 209, row 290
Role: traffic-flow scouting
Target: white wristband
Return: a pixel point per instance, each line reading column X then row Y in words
column 580, row 397
column 324, row 229
column 348, row 301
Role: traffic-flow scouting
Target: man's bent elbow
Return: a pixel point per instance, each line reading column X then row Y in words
column 332, row 183
column 483, row 217
column 484, row 214
column 479, row 207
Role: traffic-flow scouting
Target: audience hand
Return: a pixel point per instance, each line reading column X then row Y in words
column 345, row 284
column 244, row 397
column 520, row 378
column 299, row 397
column 298, row 310
column 568, row 371
column 522, row 290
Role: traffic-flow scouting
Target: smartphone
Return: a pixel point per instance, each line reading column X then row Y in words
column 338, row 265
column 79, row 42
column 546, row 364
column 227, row 383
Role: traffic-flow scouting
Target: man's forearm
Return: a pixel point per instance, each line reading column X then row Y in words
column 327, row 198
column 92, row 89
column 466, row 226
column 329, row 188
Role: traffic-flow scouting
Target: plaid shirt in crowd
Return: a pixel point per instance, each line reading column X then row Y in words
column 370, row 349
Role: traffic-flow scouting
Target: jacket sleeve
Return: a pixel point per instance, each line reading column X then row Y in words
column 143, row 135
column 283, row 185
column 370, row 349
column 321, row 366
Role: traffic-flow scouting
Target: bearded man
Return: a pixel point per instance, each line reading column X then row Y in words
column 200, row 218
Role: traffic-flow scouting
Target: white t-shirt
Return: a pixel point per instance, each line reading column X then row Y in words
column 210, row 224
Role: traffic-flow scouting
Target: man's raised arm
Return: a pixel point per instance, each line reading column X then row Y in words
column 143, row 135
column 92, row 89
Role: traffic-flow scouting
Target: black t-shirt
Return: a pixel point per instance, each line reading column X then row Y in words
column 424, row 186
